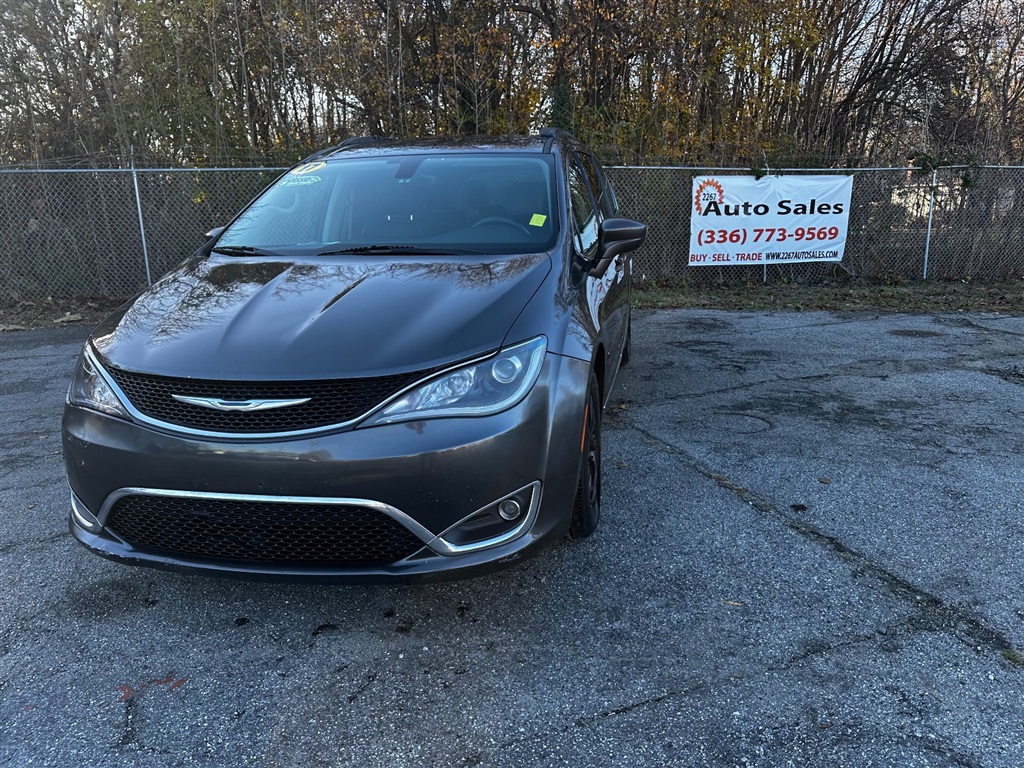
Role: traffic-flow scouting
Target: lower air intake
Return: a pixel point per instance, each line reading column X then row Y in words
column 258, row 531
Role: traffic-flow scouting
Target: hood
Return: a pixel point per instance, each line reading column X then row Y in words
column 223, row 317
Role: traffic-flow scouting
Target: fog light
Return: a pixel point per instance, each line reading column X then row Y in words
column 498, row 523
column 510, row 509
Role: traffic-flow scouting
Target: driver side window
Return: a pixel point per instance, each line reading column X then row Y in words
column 582, row 208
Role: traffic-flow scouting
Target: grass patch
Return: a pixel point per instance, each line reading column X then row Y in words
column 936, row 296
column 1013, row 657
column 1006, row 297
column 47, row 313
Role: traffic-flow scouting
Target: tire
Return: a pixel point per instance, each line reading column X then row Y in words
column 587, row 508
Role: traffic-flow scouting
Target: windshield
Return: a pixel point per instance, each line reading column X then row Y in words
column 421, row 203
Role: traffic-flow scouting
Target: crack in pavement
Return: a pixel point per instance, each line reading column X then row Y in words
column 935, row 614
column 32, row 544
column 129, row 733
column 932, row 615
column 740, row 387
column 859, row 369
column 585, row 721
column 944, row 750
column 974, row 325
column 1013, row 374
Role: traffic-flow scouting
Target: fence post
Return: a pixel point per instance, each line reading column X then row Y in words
column 931, row 211
column 142, row 226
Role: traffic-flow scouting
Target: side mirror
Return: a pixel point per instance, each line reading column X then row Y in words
column 214, row 232
column 617, row 236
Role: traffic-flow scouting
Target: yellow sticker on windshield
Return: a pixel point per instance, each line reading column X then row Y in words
column 538, row 220
column 308, row 168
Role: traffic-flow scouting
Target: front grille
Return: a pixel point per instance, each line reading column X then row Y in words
column 331, row 401
column 266, row 532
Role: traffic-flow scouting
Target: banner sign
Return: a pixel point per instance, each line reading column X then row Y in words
column 771, row 220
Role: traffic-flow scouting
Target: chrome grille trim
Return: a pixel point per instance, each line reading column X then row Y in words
column 241, row 406
column 443, row 547
column 176, row 428
column 418, row 530
column 435, row 542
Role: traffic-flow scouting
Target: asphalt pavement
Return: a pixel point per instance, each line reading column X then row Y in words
column 810, row 555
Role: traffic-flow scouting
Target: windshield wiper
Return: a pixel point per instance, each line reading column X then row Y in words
column 410, row 249
column 242, row 250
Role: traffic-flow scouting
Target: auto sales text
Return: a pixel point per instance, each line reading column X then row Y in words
column 785, row 208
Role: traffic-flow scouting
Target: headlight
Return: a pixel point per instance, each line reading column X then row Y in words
column 90, row 390
column 479, row 389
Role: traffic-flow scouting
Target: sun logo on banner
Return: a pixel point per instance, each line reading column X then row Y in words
column 707, row 191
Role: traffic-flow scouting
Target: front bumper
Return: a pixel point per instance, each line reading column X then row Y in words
column 429, row 476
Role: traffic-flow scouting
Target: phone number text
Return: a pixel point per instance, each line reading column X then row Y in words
column 765, row 235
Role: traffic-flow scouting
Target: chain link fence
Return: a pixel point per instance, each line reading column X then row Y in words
column 88, row 233
column 110, row 232
column 963, row 223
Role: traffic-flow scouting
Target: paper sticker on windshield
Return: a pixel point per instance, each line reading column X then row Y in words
column 300, row 181
column 538, row 220
column 302, row 170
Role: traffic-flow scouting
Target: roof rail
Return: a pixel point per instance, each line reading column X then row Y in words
column 551, row 133
column 361, row 141
column 349, row 143
column 319, row 153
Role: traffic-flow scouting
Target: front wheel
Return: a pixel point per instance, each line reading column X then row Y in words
column 587, row 508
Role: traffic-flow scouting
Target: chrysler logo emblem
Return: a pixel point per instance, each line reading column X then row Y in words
column 240, row 406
